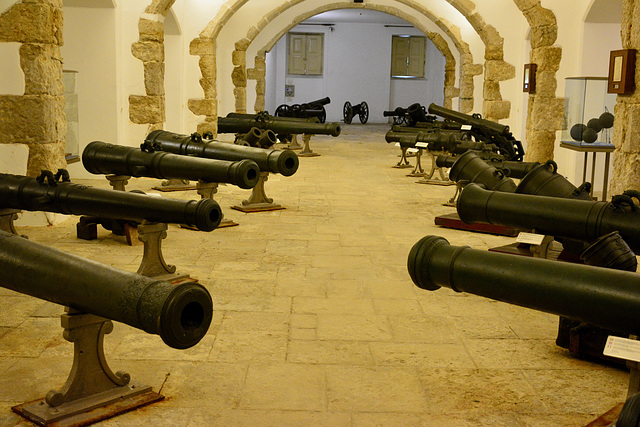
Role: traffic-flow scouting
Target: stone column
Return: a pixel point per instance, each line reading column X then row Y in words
column 36, row 118
column 259, row 73
column 626, row 126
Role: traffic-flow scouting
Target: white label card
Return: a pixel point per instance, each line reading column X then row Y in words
column 397, row 144
column 622, row 348
column 422, row 144
column 412, row 150
column 465, row 127
column 530, row 238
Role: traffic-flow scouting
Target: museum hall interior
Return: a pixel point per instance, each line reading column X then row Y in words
column 307, row 213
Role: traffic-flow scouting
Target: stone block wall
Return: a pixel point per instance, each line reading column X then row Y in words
column 36, row 119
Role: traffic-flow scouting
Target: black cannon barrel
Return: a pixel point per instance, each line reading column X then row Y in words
column 516, row 170
column 462, row 118
column 470, row 167
column 280, row 125
column 399, row 111
column 180, row 314
column 572, row 218
column 317, row 103
column 602, row 297
column 22, row 192
column 284, row 162
column 103, row 158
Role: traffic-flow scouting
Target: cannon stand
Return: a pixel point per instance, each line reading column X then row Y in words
column 427, row 176
column 153, row 263
column 403, row 163
column 92, row 391
column 175, row 184
column 418, row 170
column 306, row 150
column 206, row 190
column 258, row 201
column 118, row 182
column 294, row 144
column 7, row 216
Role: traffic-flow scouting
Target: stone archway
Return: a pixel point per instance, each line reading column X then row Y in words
column 36, row 118
column 240, row 77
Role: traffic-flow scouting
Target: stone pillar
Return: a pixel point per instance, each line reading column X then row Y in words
column 259, row 73
column 36, row 118
column 626, row 126
column 239, row 76
column 207, row 106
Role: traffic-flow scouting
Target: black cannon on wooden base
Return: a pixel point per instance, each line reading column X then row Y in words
column 95, row 294
column 350, row 111
column 103, row 158
column 307, row 110
column 486, row 130
column 413, row 115
column 284, row 162
column 47, row 194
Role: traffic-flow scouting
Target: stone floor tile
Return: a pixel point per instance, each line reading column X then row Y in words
column 285, row 386
column 432, row 355
column 424, row 329
column 302, row 305
column 278, row 419
column 407, row 307
column 353, row 327
column 374, row 389
column 364, row 419
column 249, row 346
column 329, row 352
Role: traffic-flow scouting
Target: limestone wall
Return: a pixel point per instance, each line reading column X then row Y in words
column 36, row 118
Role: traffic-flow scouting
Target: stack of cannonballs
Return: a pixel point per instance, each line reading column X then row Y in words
column 589, row 133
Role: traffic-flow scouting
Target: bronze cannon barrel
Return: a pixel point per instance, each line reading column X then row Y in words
column 180, row 314
column 284, row 162
column 556, row 216
column 280, row 125
column 466, row 119
column 22, row 192
column 599, row 296
column 103, row 158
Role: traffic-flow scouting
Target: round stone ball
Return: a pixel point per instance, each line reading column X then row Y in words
column 606, row 120
column 594, row 124
column 589, row 135
column 576, row 131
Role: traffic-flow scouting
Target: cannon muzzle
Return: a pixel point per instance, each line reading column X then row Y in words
column 602, row 297
column 466, row 119
column 470, row 167
column 578, row 219
column 511, row 169
column 284, row 162
column 22, row 192
column 180, row 314
column 279, row 125
column 103, row 158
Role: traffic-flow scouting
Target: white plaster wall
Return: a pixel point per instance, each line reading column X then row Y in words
column 354, row 74
column 598, row 41
column 94, row 58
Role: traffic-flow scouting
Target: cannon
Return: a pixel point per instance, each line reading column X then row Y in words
column 284, row 162
column 47, row 194
column 306, row 110
column 255, row 138
column 451, row 141
column 413, row 115
column 516, row 170
column 180, row 314
column 488, row 131
column 350, row 111
column 577, row 219
column 281, row 126
column 602, row 297
column 103, row 158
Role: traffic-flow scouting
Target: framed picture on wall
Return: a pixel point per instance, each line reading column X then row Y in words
column 622, row 67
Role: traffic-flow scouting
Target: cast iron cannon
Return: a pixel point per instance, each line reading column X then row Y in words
column 103, row 158
column 242, row 123
column 306, row 110
column 284, row 162
column 516, row 170
column 350, row 111
column 179, row 313
column 45, row 193
column 603, row 297
column 256, row 138
column 575, row 218
column 486, row 130
column 410, row 116
column 451, row 141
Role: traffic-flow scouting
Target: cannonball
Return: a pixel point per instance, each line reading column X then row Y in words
column 576, row 131
column 594, row 124
column 606, row 120
column 589, row 135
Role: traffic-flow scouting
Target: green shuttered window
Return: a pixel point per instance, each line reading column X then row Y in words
column 408, row 56
column 305, row 54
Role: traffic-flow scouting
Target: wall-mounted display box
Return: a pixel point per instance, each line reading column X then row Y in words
column 586, row 102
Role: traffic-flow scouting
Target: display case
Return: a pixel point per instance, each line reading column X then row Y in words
column 71, row 111
column 588, row 111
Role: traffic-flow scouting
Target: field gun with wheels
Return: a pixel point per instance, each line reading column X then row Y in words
column 94, row 294
column 307, row 110
column 487, row 130
column 350, row 111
